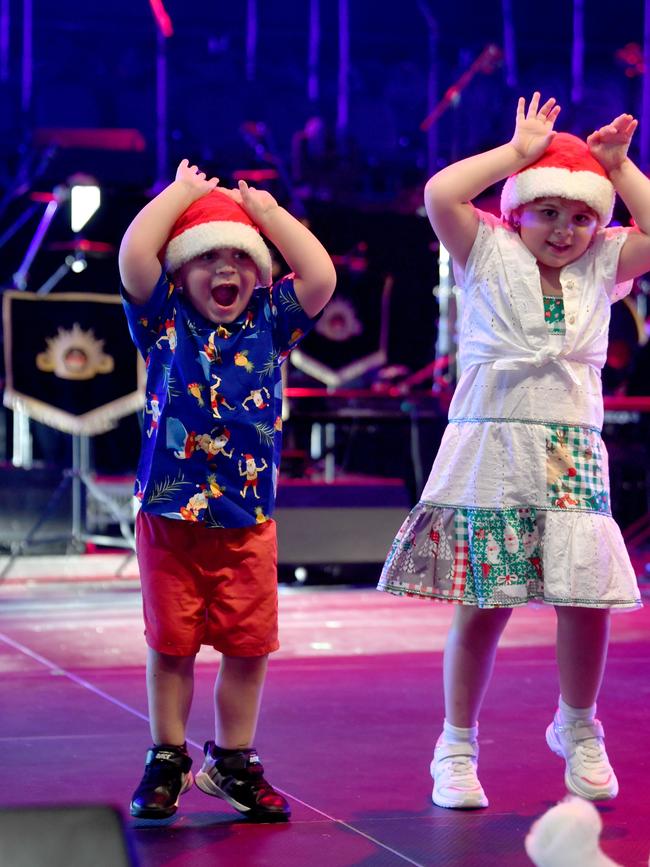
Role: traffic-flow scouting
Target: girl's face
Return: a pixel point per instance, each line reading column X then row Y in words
column 556, row 231
column 219, row 283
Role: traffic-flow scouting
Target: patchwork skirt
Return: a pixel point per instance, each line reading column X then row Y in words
column 527, row 518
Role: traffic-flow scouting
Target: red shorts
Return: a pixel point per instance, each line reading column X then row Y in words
column 208, row 586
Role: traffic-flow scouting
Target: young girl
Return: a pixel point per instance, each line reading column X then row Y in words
column 517, row 504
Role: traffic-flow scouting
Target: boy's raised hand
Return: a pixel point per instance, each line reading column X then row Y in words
column 610, row 143
column 196, row 181
column 534, row 128
column 258, row 204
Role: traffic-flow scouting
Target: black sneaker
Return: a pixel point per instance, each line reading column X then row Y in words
column 166, row 776
column 238, row 777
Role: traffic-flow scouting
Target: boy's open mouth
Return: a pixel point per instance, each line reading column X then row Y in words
column 225, row 294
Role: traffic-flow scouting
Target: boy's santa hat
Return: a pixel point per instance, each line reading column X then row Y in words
column 567, row 835
column 566, row 169
column 214, row 222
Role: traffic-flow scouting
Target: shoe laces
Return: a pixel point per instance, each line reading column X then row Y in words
column 590, row 749
column 461, row 768
column 592, row 752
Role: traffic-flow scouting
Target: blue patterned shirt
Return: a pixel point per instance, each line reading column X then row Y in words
column 212, row 430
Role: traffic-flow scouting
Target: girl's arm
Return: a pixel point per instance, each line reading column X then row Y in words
column 448, row 193
column 140, row 268
column 609, row 145
column 315, row 276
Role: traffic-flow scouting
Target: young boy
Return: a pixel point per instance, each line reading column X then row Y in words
column 213, row 335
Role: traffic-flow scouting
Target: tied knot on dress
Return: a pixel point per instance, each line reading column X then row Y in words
column 538, row 358
column 543, row 356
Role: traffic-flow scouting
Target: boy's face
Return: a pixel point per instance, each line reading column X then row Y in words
column 556, row 231
column 219, row 283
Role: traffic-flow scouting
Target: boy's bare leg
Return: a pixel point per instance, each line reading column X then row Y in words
column 167, row 774
column 582, row 640
column 237, row 697
column 232, row 769
column 170, row 686
column 469, row 659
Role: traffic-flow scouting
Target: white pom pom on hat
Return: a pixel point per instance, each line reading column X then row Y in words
column 215, row 222
column 568, row 835
column 566, row 169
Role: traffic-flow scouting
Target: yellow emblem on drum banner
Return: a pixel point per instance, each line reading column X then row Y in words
column 69, row 361
column 75, row 354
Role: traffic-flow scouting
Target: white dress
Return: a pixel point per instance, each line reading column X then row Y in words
column 517, row 505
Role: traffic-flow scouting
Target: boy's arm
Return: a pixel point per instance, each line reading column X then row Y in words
column 609, row 145
column 140, row 268
column 315, row 276
column 448, row 194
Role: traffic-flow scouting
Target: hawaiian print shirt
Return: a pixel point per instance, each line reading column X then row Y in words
column 212, row 430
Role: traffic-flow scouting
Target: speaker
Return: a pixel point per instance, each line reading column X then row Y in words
column 351, row 520
column 63, row 837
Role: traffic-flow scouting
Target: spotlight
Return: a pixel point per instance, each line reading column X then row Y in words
column 85, row 199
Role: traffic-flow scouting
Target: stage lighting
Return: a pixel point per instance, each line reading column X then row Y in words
column 85, row 199
column 76, row 263
column 300, row 574
column 443, row 264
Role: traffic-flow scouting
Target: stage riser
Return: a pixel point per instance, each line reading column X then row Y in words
column 317, row 536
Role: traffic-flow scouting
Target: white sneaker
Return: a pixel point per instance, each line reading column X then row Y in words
column 582, row 745
column 455, row 783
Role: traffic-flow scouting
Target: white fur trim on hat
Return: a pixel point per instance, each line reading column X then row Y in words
column 536, row 183
column 218, row 235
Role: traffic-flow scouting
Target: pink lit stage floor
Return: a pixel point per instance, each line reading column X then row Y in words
column 351, row 712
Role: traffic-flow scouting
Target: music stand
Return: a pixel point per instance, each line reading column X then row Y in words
column 71, row 365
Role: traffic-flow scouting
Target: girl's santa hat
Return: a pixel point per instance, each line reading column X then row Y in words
column 566, row 169
column 214, row 222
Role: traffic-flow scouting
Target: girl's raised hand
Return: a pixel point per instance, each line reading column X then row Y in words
column 610, row 143
column 195, row 180
column 534, row 128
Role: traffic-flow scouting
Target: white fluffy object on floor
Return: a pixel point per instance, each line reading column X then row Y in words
column 567, row 836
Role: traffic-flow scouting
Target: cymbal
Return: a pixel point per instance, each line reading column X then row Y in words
column 42, row 197
column 255, row 175
column 81, row 245
column 356, row 260
column 94, row 139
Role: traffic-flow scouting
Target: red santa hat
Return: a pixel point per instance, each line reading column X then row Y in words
column 214, row 222
column 566, row 169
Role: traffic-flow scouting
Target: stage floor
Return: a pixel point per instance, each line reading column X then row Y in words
column 352, row 708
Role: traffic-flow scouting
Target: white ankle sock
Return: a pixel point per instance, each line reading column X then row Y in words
column 570, row 714
column 455, row 735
